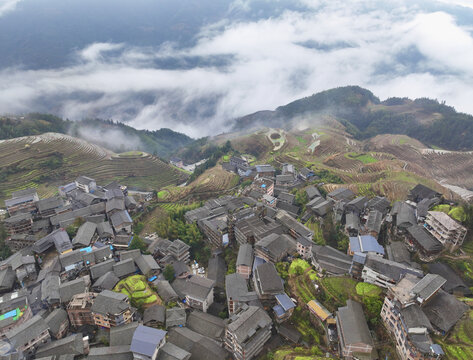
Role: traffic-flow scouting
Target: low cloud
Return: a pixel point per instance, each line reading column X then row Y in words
column 113, row 139
column 239, row 67
column 7, row 5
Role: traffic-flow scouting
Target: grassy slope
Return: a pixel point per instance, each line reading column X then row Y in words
column 366, row 173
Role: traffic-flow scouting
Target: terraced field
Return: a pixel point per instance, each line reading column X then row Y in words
column 454, row 167
column 459, row 345
column 51, row 159
column 211, row 183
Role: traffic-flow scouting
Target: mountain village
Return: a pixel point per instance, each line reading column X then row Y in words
column 82, row 284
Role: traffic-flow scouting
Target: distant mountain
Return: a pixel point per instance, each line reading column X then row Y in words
column 112, row 135
column 365, row 116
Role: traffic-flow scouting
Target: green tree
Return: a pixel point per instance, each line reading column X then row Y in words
column 283, row 269
column 169, row 272
column 138, row 228
column 5, row 251
column 373, row 305
column 138, row 243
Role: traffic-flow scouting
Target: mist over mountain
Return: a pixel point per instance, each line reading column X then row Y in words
column 193, row 65
column 364, row 116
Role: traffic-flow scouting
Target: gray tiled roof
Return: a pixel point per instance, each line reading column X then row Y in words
column 444, row 310
column 104, row 229
column 196, row 287
column 172, row 352
column 50, row 288
column 106, row 282
column 332, row 260
column 130, row 254
column 454, row 282
column 424, row 239
column 68, row 289
column 73, row 345
column 397, row 251
column 247, row 322
column 122, row 335
column 390, row 269
column 59, row 238
column 352, row 221
column 380, row 204
column 245, row 255
column 27, row 331
column 55, row 319
column 109, row 302
column 353, row 324
column 124, row 267
column 291, row 209
column 120, row 352
column 277, row 246
column 312, row 192
column 120, row 218
column 217, row 270
column 342, row 193
column 102, row 254
column 428, row 286
column 406, row 216
column 17, row 218
column 70, row 258
column 115, row 204
column 175, row 316
column 7, row 278
column 98, row 270
column 420, row 192
column 154, row 313
column 84, row 180
column 49, row 203
column 201, row 347
column 69, row 217
column 85, row 234
column 237, row 288
column 206, row 324
column 166, row 291
column 269, row 279
column 374, row 221
column 147, row 264
column 414, row 317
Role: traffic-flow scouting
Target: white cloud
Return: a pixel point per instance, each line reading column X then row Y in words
column 7, row 5
column 268, row 63
column 463, row 3
column 94, row 52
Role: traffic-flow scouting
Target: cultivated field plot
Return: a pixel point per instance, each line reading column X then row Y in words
column 452, row 166
column 138, row 290
column 212, row 182
column 49, row 160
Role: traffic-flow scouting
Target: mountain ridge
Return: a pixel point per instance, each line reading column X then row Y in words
column 365, row 116
column 115, row 136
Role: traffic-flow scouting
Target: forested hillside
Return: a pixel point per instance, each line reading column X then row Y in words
column 113, row 135
column 365, row 116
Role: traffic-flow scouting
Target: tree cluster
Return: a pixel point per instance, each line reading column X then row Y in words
column 175, row 227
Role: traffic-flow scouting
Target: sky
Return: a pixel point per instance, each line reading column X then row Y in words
column 245, row 56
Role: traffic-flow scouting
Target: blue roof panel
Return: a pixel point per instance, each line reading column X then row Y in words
column 146, row 340
column 285, row 301
column 365, row 244
column 278, row 309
